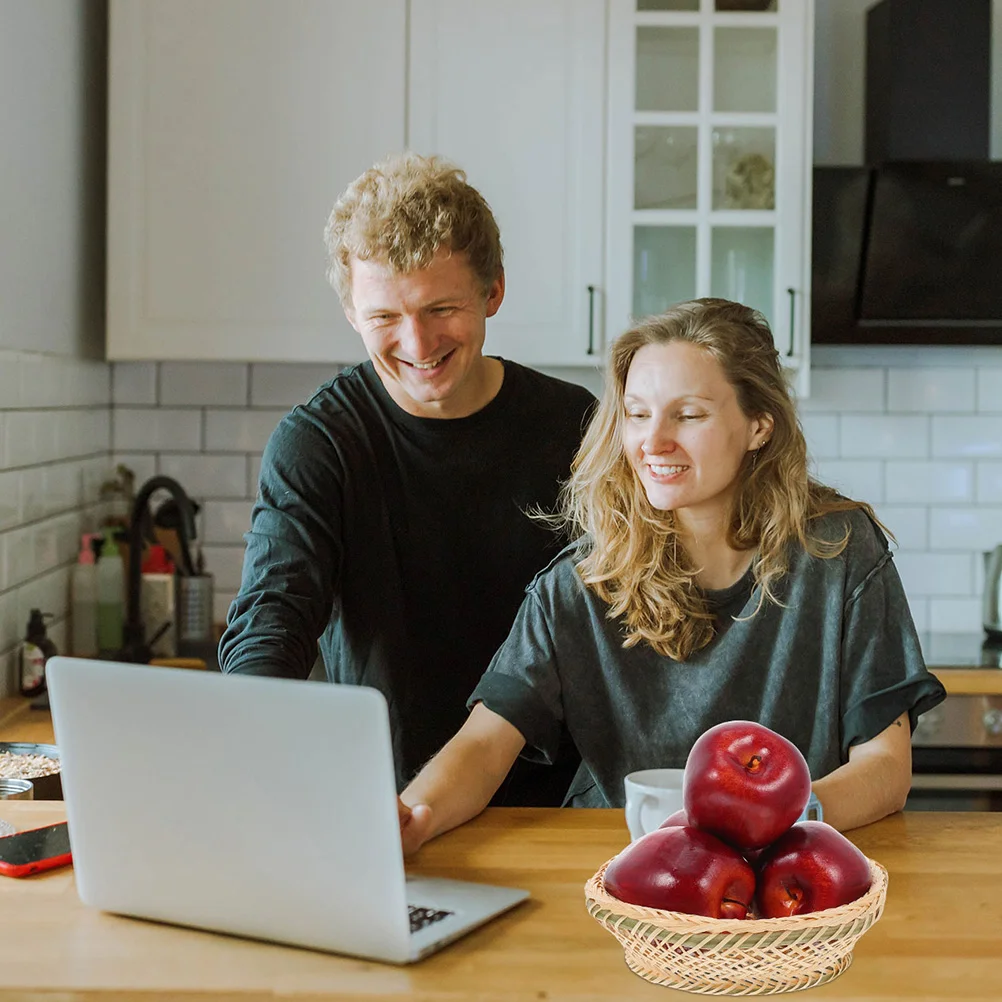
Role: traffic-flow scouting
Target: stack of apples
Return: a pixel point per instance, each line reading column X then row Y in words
column 737, row 849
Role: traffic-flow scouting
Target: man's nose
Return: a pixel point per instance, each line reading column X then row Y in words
column 417, row 338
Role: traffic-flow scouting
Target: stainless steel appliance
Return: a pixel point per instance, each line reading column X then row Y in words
column 957, row 756
column 992, row 613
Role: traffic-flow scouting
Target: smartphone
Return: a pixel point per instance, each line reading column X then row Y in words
column 35, row 850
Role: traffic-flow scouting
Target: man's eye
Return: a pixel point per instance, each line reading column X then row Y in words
column 442, row 309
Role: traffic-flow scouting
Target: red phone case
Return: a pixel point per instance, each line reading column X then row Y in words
column 26, row 869
column 9, row 869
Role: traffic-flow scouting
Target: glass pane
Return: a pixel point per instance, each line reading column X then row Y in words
column 665, row 160
column 667, row 4
column 744, row 172
column 667, row 69
column 742, row 263
column 746, row 4
column 664, row 267
column 744, row 69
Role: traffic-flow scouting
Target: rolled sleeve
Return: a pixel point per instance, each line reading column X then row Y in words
column 883, row 671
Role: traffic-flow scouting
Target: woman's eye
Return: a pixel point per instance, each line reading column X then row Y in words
column 689, row 417
column 635, row 415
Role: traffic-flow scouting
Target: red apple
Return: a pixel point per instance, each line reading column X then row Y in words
column 683, row 870
column 809, row 868
column 676, row 820
column 745, row 783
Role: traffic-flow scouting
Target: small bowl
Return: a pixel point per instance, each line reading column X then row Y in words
column 46, row 787
column 16, row 789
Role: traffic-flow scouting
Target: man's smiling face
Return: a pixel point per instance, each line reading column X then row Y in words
column 424, row 331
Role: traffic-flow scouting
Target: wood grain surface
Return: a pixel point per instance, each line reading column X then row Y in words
column 940, row 937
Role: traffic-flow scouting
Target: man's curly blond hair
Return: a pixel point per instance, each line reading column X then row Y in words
column 403, row 210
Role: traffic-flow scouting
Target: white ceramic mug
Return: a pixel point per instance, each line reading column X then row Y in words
column 651, row 796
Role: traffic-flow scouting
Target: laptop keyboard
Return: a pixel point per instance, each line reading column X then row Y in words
column 421, row 918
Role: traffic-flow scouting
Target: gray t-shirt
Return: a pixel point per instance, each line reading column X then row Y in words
column 832, row 667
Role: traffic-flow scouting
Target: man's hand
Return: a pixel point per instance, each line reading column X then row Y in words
column 415, row 826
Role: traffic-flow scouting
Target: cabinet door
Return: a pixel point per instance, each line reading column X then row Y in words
column 233, row 126
column 513, row 93
column 710, row 160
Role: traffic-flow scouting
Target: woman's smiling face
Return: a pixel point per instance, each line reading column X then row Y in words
column 683, row 430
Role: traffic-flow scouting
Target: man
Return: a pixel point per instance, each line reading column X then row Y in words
column 391, row 520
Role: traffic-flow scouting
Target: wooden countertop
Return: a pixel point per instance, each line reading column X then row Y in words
column 940, row 937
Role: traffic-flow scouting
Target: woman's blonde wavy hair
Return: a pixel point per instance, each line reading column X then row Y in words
column 636, row 562
column 403, row 210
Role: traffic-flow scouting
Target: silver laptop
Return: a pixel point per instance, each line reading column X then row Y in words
column 255, row 806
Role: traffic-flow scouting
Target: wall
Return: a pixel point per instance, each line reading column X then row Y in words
column 839, row 80
column 54, row 400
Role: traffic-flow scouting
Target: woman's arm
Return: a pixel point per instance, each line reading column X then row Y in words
column 873, row 783
column 458, row 783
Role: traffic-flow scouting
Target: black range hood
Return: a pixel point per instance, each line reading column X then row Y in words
column 908, row 250
column 908, row 253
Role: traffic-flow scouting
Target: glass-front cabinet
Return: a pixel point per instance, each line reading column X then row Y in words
column 710, row 147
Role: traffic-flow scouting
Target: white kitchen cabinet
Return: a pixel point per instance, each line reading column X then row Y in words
column 710, row 151
column 233, row 126
column 514, row 93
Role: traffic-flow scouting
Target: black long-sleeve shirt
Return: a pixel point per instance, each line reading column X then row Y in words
column 403, row 544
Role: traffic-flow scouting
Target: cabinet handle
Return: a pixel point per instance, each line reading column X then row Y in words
column 591, row 319
column 793, row 320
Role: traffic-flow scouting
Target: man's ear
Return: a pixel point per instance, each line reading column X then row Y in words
column 495, row 294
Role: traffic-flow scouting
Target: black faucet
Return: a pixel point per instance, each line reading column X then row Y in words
column 134, row 645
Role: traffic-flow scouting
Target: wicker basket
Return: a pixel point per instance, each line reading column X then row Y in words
column 737, row 956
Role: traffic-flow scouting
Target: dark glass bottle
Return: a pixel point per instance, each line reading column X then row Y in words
column 36, row 649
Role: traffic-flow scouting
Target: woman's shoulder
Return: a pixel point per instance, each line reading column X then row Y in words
column 560, row 577
column 855, row 524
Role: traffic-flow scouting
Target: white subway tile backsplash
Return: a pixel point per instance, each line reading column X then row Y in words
column 156, row 429
column 926, row 575
column 959, row 528
column 884, row 436
column 931, row 390
column 990, row 390
column 955, row 615
column 969, row 437
column 134, row 383
column 286, row 385
column 821, row 432
column 989, row 483
column 10, row 499
column 10, row 381
column 862, row 480
column 919, row 608
column 225, row 563
column 908, row 524
column 837, row 390
column 203, row 383
column 50, row 593
column 929, row 482
column 10, row 630
column 143, row 466
column 221, row 604
column 240, row 431
column 225, row 521
column 204, row 475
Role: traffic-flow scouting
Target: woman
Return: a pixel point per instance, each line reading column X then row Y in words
column 711, row 579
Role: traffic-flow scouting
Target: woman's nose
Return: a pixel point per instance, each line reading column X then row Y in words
column 658, row 442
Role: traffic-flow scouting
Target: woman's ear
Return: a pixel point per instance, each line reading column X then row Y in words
column 762, row 431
